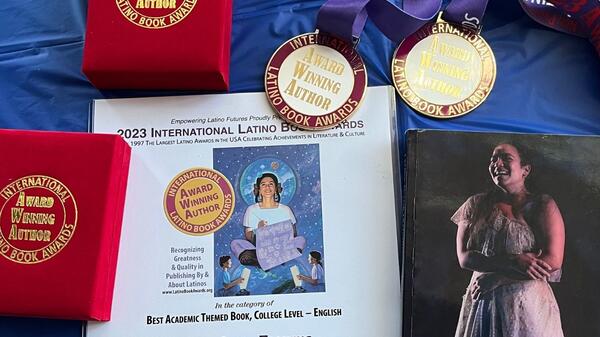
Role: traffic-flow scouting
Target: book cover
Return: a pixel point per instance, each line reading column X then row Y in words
column 501, row 234
column 239, row 224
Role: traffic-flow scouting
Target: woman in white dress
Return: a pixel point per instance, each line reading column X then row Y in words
column 513, row 241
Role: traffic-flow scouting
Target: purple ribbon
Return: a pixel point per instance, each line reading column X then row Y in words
column 577, row 17
column 397, row 23
column 344, row 19
column 467, row 13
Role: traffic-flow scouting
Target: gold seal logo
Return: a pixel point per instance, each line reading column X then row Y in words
column 155, row 14
column 199, row 201
column 37, row 219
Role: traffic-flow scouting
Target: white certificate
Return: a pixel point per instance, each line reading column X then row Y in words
column 209, row 172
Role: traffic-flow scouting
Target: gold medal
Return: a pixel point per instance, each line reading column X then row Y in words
column 443, row 70
column 315, row 81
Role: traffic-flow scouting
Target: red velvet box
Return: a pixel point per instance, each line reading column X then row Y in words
column 158, row 44
column 61, row 206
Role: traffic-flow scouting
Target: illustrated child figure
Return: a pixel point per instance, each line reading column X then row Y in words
column 228, row 284
column 317, row 274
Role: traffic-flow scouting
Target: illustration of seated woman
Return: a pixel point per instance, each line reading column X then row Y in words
column 317, row 274
column 266, row 211
column 229, row 286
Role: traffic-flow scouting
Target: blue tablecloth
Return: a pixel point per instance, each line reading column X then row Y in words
column 547, row 81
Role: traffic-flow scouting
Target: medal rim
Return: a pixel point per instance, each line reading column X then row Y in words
column 328, row 126
column 468, row 33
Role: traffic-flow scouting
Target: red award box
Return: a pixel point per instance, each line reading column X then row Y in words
column 158, row 44
column 61, row 206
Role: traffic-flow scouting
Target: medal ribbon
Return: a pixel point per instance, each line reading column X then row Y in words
column 344, row 19
column 467, row 13
column 576, row 17
column 397, row 23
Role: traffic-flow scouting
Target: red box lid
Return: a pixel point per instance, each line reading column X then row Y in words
column 61, row 206
column 158, row 44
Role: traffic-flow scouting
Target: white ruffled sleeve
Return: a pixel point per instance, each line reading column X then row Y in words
column 464, row 214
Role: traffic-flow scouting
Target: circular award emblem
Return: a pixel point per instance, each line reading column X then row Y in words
column 199, row 201
column 37, row 219
column 315, row 81
column 444, row 71
column 155, row 14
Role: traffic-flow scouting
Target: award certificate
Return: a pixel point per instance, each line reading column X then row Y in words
column 239, row 224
